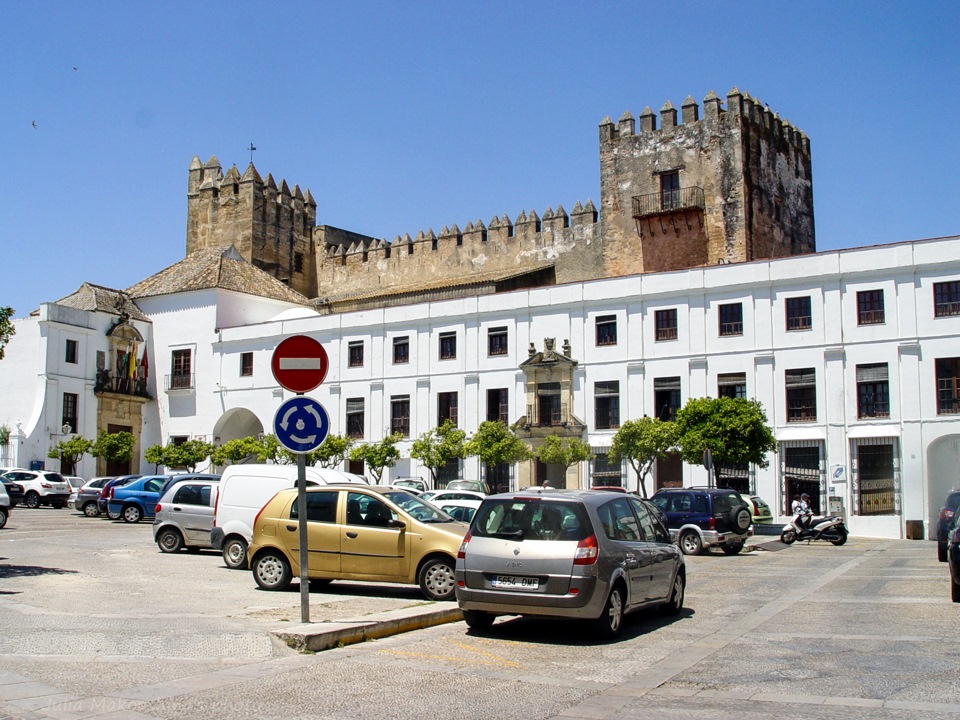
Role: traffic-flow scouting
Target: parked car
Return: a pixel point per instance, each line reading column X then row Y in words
column 580, row 554
column 948, row 514
column 106, row 493
column 184, row 514
column 243, row 491
column 439, row 496
column 759, row 510
column 366, row 532
column 703, row 517
column 75, row 482
column 462, row 510
column 610, row 488
column 5, row 505
column 87, row 496
column 412, row 483
column 14, row 491
column 136, row 500
column 41, row 487
column 475, row 485
column 953, row 559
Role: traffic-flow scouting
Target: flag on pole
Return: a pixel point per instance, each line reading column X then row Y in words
column 144, row 364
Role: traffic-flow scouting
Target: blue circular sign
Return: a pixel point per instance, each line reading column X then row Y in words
column 301, row 424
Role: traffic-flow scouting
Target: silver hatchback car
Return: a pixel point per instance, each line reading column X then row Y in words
column 585, row 554
column 185, row 515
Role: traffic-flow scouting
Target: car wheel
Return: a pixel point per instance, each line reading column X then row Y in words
column 235, row 553
column 90, row 509
column 690, row 543
column 941, row 551
column 788, row 537
column 840, row 539
column 437, row 581
column 32, row 499
column 3, row 517
column 169, row 540
column 732, row 548
column 611, row 620
column 272, row 571
column 132, row 514
column 477, row 619
column 740, row 519
column 674, row 605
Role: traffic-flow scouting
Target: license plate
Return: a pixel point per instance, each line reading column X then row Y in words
column 513, row 582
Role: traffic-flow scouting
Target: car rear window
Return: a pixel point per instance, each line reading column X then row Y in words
column 725, row 502
column 953, row 500
column 530, row 519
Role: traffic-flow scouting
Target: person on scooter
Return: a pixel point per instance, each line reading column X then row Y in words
column 801, row 508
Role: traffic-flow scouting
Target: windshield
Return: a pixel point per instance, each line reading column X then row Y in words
column 417, row 508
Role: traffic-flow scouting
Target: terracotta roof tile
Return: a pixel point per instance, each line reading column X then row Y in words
column 97, row 298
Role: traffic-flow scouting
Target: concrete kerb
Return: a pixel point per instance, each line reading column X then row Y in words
column 316, row 637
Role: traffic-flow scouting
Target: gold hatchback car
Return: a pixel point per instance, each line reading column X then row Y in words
column 371, row 533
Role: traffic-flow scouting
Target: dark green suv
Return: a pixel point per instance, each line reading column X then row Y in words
column 702, row 517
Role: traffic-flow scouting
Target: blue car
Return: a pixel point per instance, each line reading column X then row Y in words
column 136, row 500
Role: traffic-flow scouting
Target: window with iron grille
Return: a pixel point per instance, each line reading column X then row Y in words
column 665, row 322
column 355, row 351
column 876, row 476
column 498, row 406
column 801, row 386
column 732, row 385
column 666, row 397
column 607, row 330
column 355, row 421
column 602, row 471
column 70, row 403
column 498, row 477
column 448, row 345
column 799, row 314
column 606, row 401
column 401, row 350
column 946, row 298
column 497, row 341
column 734, row 475
column 870, row 307
column 731, row 319
column 181, row 372
column 801, row 471
column 450, row 471
column 948, row 386
column 549, row 407
column 71, row 352
column 873, row 391
column 446, row 407
column 400, row 415
column 246, row 364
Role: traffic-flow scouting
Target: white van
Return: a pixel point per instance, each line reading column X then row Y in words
column 244, row 490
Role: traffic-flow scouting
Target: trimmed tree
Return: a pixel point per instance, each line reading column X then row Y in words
column 438, row 446
column 641, row 443
column 238, row 450
column 69, row 452
column 496, row 444
column 735, row 430
column 7, row 330
column 564, row 451
column 114, row 447
column 378, row 456
column 154, row 456
column 187, row 454
column 332, row 451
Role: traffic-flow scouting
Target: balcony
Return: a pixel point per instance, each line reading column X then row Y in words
column 120, row 384
column 178, row 382
column 668, row 201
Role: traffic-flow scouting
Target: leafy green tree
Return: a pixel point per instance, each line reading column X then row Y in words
column 641, row 443
column 496, row 444
column 69, row 452
column 563, row 451
column 7, row 330
column 438, row 446
column 332, row 451
column 187, row 454
column 154, row 456
column 237, row 450
column 735, row 430
column 114, row 447
column 275, row 452
column 378, row 456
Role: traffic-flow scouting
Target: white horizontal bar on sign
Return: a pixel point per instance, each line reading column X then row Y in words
column 301, row 363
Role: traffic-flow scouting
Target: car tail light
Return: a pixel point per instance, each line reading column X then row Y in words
column 461, row 553
column 110, row 494
column 946, row 514
column 587, row 551
column 158, row 508
column 712, row 525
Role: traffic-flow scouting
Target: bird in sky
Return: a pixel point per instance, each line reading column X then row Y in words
column 34, row 123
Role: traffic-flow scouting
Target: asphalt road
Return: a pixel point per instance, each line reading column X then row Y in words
column 95, row 622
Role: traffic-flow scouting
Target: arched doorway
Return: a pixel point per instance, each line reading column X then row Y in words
column 235, row 424
column 943, row 474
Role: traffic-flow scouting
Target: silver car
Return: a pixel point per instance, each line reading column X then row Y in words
column 185, row 515
column 584, row 554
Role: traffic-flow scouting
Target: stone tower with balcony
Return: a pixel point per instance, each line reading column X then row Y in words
column 732, row 185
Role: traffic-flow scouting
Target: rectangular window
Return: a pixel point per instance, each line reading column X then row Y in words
column 498, row 407
column 497, row 341
column 355, row 353
column 181, row 371
column 876, row 475
column 801, row 472
column 666, row 397
column 731, row 319
column 801, row 388
column 446, row 407
column 298, row 262
column 401, row 350
column 799, row 316
column 948, row 386
column 607, row 330
column 70, row 403
column 246, row 364
column 666, row 324
column 873, row 391
column 732, row 385
column 606, row 399
column 670, row 190
column 603, row 472
column 870, row 307
column 400, row 415
column 71, row 351
column 549, row 408
column 448, row 345
column 946, row 299
column 355, row 417
column 450, row 471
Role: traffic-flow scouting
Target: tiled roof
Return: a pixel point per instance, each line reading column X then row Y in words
column 103, row 299
column 221, row 267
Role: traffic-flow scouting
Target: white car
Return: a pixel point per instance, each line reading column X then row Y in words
column 75, row 483
column 41, row 487
column 462, row 510
column 436, row 497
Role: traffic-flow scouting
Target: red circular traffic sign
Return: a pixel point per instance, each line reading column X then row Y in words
column 299, row 363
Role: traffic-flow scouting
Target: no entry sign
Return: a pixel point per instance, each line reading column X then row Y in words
column 299, row 363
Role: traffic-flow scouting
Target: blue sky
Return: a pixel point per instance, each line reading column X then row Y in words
column 404, row 116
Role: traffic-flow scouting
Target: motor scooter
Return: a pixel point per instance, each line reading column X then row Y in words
column 827, row 528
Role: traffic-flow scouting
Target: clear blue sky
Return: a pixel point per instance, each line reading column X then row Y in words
column 402, row 116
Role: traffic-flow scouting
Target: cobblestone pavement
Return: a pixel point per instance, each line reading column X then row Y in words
column 94, row 622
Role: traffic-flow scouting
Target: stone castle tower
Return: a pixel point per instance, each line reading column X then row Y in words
column 732, row 186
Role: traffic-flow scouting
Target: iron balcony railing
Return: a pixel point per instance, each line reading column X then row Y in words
column 666, row 201
column 179, row 381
